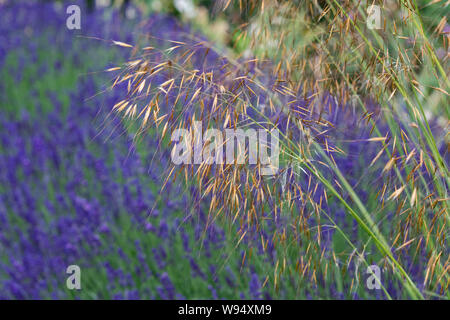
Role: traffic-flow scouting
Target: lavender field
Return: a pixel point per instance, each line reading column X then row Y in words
column 355, row 208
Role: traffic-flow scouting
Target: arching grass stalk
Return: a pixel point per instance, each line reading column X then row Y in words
column 425, row 128
column 371, row 227
column 365, row 221
column 368, row 225
column 392, row 124
column 361, row 256
column 359, row 213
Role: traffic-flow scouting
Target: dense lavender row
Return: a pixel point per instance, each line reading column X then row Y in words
column 70, row 195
